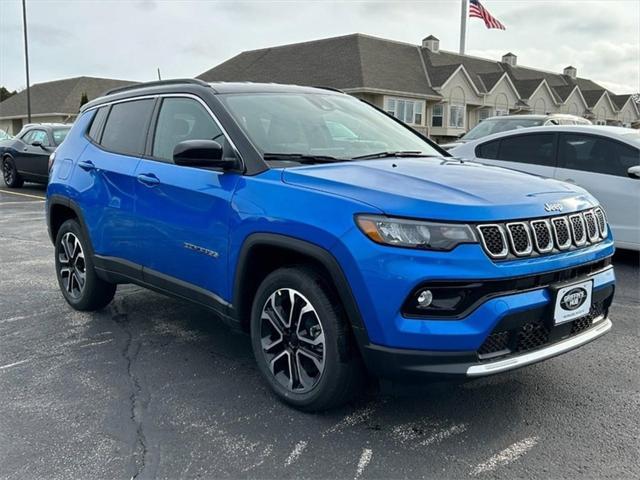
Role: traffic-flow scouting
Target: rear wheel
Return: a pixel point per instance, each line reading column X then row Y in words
column 12, row 178
column 302, row 342
column 80, row 286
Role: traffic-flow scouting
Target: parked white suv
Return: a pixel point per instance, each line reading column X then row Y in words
column 603, row 160
column 505, row 123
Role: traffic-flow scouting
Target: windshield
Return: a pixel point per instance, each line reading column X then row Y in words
column 317, row 124
column 497, row 125
column 59, row 134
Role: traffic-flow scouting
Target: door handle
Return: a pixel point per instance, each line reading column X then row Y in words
column 148, row 179
column 86, row 165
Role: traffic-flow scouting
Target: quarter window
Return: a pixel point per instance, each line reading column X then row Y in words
column 534, row 149
column 409, row 111
column 488, row 150
column 597, row 154
column 126, row 128
column 437, row 114
column 456, row 116
column 96, row 124
column 182, row 119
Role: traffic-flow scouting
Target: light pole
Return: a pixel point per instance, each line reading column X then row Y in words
column 26, row 58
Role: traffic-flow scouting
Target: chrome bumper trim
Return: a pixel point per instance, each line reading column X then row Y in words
column 601, row 326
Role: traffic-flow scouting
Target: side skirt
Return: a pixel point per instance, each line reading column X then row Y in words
column 117, row 270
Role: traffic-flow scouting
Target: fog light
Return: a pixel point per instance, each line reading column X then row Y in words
column 425, row 298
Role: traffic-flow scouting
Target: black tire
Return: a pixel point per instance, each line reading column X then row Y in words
column 342, row 375
column 92, row 293
column 12, row 178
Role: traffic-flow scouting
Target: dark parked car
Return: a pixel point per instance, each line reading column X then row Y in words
column 26, row 156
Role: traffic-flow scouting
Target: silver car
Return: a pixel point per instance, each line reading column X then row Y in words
column 505, row 123
column 603, row 160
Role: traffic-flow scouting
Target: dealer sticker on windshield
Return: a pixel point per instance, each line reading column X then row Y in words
column 573, row 301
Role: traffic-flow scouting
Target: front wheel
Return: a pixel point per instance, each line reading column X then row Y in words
column 12, row 178
column 80, row 286
column 302, row 342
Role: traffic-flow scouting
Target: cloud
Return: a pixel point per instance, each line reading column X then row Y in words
column 130, row 40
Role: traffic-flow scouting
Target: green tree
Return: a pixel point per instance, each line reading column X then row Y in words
column 84, row 99
column 4, row 94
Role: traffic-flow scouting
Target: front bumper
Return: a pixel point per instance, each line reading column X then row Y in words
column 520, row 336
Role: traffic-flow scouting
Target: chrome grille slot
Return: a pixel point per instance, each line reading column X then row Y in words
column 578, row 231
column 592, row 226
column 494, row 241
column 519, row 238
column 542, row 235
column 561, row 233
column 602, row 222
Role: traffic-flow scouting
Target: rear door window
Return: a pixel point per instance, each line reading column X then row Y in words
column 126, row 128
column 534, row 149
column 591, row 153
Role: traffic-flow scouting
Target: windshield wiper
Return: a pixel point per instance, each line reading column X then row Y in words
column 302, row 158
column 401, row 153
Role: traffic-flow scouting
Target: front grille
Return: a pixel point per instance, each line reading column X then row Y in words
column 532, row 335
column 592, row 226
column 561, row 233
column 535, row 333
column 602, row 221
column 494, row 241
column 519, row 238
column 543, row 236
column 578, row 232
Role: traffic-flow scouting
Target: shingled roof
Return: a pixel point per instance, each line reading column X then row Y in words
column 349, row 62
column 58, row 96
column 362, row 62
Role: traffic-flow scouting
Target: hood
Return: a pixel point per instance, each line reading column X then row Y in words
column 441, row 188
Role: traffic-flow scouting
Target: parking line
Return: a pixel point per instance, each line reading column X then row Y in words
column 22, row 194
column 506, row 456
column 365, row 458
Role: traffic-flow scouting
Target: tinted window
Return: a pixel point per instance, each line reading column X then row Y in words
column 535, row 149
column 96, row 124
column 39, row 136
column 597, row 154
column 182, row 119
column 125, row 130
column 497, row 125
column 26, row 137
column 59, row 134
column 488, row 150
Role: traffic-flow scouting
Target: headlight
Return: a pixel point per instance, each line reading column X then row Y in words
column 401, row 232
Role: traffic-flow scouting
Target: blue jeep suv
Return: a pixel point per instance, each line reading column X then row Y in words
column 341, row 240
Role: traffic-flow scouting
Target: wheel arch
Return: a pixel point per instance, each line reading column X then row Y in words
column 59, row 210
column 262, row 253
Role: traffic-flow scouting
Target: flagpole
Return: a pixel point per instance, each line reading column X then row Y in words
column 463, row 25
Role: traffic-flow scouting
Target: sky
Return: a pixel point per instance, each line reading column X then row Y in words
column 130, row 39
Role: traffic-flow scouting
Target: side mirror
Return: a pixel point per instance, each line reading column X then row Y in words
column 36, row 143
column 202, row 153
column 634, row 172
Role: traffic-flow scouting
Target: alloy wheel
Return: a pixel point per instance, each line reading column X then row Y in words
column 7, row 171
column 72, row 266
column 292, row 340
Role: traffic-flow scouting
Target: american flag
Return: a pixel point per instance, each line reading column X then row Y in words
column 477, row 10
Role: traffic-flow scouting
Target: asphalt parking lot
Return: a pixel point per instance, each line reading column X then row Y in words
column 152, row 387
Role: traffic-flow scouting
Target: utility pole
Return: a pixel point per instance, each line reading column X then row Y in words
column 463, row 25
column 26, row 58
column 159, row 77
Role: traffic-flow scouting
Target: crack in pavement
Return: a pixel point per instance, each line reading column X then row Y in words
column 138, row 402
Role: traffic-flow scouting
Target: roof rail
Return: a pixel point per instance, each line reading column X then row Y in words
column 175, row 81
column 333, row 89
